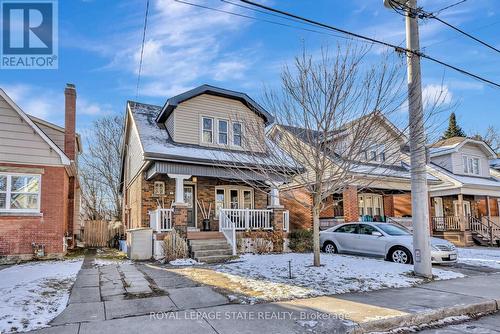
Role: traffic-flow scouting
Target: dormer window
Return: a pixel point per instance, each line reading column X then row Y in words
column 222, row 128
column 237, row 135
column 471, row 165
column 208, row 129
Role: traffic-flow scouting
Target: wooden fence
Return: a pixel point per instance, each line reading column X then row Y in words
column 99, row 233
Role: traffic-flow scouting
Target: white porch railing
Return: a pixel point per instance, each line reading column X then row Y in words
column 227, row 227
column 249, row 219
column 160, row 220
column 286, row 220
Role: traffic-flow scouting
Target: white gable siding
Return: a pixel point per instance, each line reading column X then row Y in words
column 19, row 142
column 55, row 135
column 188, row 115
column 169, row 124
column 444, row 161
column 134, row 156
column 454, row 161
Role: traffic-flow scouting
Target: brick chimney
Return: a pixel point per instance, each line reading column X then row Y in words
column 70, row 121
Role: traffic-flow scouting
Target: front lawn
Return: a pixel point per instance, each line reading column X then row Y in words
column 259, row 278
column 32, row 294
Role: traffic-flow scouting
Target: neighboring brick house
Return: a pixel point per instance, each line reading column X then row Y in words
column 380, row 183
column 39, row 191
column 199, row 149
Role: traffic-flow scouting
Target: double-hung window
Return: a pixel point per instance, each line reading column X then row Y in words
column 471, row 165
column 19, row 193
column 208, row 129
column 222, row 128
column 237, row 134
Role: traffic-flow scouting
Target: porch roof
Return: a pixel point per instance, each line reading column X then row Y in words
column 166, row 167
column 393, row 171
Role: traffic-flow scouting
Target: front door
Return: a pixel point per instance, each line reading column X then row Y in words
column 189, row 200
column 466, row 209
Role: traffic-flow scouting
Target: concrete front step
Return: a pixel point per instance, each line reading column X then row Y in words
column 212, row 252
column 205, row 235
column 213, row 258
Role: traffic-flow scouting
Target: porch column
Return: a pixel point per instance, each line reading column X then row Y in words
column 388, row 205
column 461, row 215
column 179, row 216
column 488, row 208
column 351, row 210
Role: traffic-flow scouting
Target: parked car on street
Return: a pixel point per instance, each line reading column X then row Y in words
column 393, row 242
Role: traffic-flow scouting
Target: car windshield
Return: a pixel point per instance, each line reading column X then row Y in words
column 392, row 229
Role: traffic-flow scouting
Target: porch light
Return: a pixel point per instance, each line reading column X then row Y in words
column 194, row 179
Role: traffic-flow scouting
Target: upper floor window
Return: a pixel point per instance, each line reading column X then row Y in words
column 19, row 193
column 237, row 135
column 471, row 165
column 222, row 127
column 208, row 129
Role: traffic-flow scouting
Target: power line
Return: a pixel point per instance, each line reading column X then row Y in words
column 142, row 48
column 449, row 6
column 261, row 20
column 455, row 37
column 373, row 40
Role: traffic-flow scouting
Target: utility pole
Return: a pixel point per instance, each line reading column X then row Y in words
column 419, row 194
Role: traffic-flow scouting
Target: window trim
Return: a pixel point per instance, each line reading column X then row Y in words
column 8, row 192
column 203, row 129
column 162, row 186
column 468, row 164
column 364, row 209
column 227, row 131
column 232, row 134
column 227, row 194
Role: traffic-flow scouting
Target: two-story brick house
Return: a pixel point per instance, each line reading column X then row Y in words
column 176, row 167
column 39, row 191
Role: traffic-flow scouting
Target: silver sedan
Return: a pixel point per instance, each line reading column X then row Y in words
column 390, row 241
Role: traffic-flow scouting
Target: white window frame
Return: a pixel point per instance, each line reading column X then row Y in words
column 468, row 164
column 203, row 129
column 219, row 132
column 241, row 134
column 227, row 195
column 161, row 184
column 8, row 192
column 373, row 198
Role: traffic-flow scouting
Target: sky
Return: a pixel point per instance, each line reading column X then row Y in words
column 100, row 44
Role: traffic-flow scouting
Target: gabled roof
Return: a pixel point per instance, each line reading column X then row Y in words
column 454, row 144
column 56, row 127
column 158, row 145
column 64, row 159
column 173, row 102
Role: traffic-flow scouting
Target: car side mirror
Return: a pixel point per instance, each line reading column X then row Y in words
column 377, row 234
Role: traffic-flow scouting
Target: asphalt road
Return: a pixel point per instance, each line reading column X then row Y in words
column 484, row 325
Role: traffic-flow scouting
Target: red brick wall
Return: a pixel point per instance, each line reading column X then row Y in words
column 18, row 232
column 351, row 209
column 402, row 205
column 299, row 202
column 328, row 208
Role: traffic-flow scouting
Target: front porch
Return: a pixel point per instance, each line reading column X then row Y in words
column 465, row 219
column 212, row 211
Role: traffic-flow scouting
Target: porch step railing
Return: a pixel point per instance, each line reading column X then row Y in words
column 227, row 227
column 160, row 220
column 249, row 219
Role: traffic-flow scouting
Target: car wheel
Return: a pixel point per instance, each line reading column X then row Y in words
column 400, row 255
column 329, row 247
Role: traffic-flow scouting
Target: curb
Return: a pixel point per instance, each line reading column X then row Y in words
column 422, row 318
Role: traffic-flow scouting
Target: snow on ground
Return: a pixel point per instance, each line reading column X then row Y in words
column 107, row 262
column 486, row 257
column 267, row 275
column 184, row 262
column 34, row 293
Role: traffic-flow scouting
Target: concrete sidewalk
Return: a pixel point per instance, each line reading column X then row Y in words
column 200, row 309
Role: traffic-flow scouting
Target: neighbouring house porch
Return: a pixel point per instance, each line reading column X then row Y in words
column 464, row 219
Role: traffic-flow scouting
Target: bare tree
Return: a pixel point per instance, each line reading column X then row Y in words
column 101, row 169
column 490, row 137
column 326, row 112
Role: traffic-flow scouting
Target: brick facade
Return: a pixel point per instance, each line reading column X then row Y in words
column 17, row 233
column 351, row 210
column 299, row 202
column 388, row 205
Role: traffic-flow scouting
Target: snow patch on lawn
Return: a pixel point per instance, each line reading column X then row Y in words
column 268, row 275
column 486, row 257
column 184, row 262
column 32, row 294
